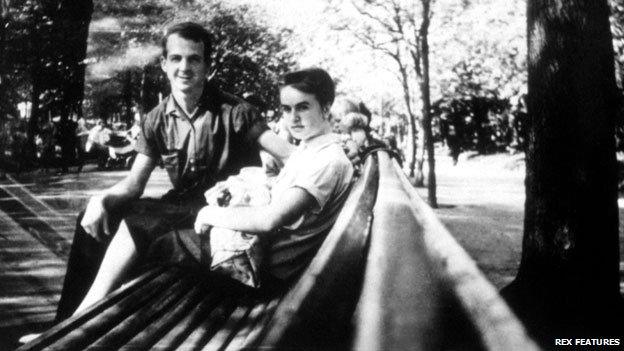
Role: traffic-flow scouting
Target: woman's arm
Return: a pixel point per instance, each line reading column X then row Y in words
column 263, row 219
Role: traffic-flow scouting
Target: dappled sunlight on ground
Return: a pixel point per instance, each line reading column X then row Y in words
column 482, row 204
column 37, row 216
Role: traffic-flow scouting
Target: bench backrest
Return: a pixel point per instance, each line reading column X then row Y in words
column 421, row 290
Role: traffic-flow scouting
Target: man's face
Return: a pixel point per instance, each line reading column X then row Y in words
column 185, row 65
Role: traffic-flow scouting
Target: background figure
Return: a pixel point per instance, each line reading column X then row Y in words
column 355, row 125
column 82, row 133
column 46, row 145
column 342, row 107
column 66, row 137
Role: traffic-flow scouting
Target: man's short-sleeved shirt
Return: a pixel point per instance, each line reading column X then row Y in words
column 321, row 168
column 215, row 142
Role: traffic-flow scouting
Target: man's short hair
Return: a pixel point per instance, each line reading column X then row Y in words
column 315, row 81
column 190, row 31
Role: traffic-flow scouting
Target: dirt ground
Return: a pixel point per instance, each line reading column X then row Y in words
column 482, row 204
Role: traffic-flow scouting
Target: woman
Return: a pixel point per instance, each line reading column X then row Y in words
column 305, row 197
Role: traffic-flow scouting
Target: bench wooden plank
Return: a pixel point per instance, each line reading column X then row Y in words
column 144, row 315
column 258, row 326
column 167, row 320
column 191, row 321
column 421, row 290
column 238, row 341
column 138, row 287
column 224, row 335
column 494, row 322
column 214, row 325
column 401, row 299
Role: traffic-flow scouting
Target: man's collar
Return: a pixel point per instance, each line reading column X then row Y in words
column 210, row 99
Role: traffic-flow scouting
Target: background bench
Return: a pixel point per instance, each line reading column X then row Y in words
column 388, row 276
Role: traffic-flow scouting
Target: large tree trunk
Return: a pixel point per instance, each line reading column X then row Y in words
column 73, row 22
column 426, row 107
column 411, row 116
column 568, row 281
column 419, row 176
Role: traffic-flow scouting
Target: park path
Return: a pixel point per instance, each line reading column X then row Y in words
column 482, row 204
column 37, row 216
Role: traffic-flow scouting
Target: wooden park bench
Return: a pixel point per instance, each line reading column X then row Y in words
column 387, row 277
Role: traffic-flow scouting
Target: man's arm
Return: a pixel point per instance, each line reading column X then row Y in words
column 95, row 219
column 276, row 146
column 263, row 219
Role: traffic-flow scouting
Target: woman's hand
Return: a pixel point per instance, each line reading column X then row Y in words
column 202, row 222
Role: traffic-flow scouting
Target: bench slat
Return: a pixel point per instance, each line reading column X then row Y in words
column 64, row 327
column 125, row 330
column 246, row 333
column 78, row 338
column 166, row 321
column 200, row 338
column 190, row 322
column 258, row 329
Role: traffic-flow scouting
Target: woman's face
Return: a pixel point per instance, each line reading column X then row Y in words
column 303, row 115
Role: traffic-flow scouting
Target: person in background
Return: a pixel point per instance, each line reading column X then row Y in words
column 355, row 125
column 341, row 108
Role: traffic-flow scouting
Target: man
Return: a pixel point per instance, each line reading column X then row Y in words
column 201, row 135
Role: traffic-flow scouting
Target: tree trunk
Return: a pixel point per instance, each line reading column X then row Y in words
column 419, row 177
column 568, row 280
column 128, row 114
column 480, row 122
column 426, row 108
column 4, row 99
column 73, row 22
column 411, row 116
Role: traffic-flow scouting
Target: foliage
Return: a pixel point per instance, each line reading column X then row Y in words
column 479, row 72
column 122, row 62
column 247, row 58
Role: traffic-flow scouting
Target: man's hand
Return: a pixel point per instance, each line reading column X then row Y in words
column 95, row 219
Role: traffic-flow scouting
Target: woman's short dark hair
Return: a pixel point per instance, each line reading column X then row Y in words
column 315, row 81
column 190, row 31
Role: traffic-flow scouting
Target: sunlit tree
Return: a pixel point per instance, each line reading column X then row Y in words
column 399, row 29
